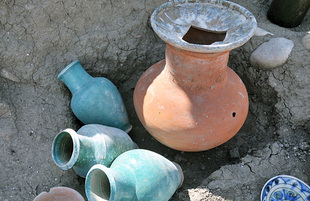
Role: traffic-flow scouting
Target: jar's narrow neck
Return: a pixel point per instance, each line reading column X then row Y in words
column 74, row 76
column 196, row 71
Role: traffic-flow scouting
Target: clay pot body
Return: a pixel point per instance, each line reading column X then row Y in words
column 136, row 175
column 94, row 100
column 90, row 145
column 60, row 194
column 191, row 101
column 288, row 13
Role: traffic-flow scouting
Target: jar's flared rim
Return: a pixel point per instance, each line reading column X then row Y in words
column 172, row 20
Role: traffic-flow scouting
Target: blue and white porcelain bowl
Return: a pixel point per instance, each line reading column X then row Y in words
column 285, row 188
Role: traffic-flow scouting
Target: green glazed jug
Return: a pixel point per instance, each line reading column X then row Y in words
column 94, row 100
column 92, row 144
column 136, row 175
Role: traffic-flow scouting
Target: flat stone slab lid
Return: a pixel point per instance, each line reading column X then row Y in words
column 171, row 21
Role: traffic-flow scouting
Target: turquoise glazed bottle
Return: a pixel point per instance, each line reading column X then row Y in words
column 94, row 100
column 90, row 145
column 136, row 175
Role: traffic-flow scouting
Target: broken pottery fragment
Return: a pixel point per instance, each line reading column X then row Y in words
column 139, row 175
column 60, row 194
column 192, row 101
column 94, row 100
column 262, row 32
column 90, row 145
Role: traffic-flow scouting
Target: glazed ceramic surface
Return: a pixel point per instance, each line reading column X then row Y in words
column 94, row 100
column 90, row 145
column 192, row 101
column 135, row 175
column 285, row 188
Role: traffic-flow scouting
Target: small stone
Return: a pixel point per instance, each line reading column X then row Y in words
column 234, row 153
column 304, row 146
column 272, row 54
column 5, row 110
column 261, row 32
column 306, row 41
column 8, row 75
column 275, row 149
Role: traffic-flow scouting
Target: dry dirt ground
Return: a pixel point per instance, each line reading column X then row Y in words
column 113, row 39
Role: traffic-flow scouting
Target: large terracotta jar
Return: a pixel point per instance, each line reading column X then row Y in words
column 192, row 101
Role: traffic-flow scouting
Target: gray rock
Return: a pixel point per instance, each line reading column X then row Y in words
column 5, row 110
column 234, row 153
column 306, row 41
column 272, row 54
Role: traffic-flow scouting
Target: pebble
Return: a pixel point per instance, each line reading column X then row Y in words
column 234, row 153
column 272, row 54
column 304, row 146
column 286, row 145
column 306, row 41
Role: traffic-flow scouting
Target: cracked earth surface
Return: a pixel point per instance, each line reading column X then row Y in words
column 114, row 39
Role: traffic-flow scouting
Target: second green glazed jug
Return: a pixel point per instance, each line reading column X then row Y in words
column 90, row 145
column 94, row 100
column 136, row 175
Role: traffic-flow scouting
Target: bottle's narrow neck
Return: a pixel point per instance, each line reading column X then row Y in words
column 66, row 149
column 104, row 183
column 196, row 71
column 74, row 76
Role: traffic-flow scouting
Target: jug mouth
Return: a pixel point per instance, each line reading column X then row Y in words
column 65, row 150
column 100, row 183
column 181, row 173
column 67, row 68
column 229, row 23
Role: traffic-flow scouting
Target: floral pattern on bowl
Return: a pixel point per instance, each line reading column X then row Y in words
column 285, row 188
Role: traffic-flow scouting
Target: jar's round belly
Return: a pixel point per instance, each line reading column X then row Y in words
column 186, row 120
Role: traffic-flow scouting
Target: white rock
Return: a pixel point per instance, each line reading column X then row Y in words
column 306, row 41
column 8, row 75
column 261, row 32
column 272, row 54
